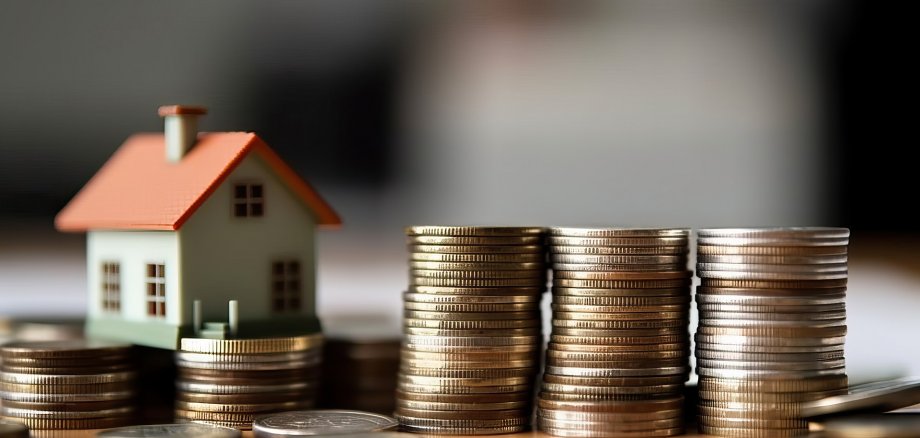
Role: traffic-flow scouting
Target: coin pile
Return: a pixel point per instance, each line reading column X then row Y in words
column 228, row 382
column 619, row 350
column 77, row 384
column 360, row 373
column 772, row 326
column 472, row 329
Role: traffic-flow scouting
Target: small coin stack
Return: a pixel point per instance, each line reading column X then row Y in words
column 472, row 342
column 228, row 382
column 772, row 327
column 77, row 384
column 359, row 372
column 619, row 350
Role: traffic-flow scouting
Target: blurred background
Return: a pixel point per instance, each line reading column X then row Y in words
column 629, row 113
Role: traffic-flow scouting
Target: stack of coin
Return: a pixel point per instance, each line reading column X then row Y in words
column 772, row 326
column 619, row 350
column 359, row 372
column 77, row 384
column 228, row 382
column 472, row 342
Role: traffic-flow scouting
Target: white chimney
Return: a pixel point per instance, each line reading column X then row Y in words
column 181, row 129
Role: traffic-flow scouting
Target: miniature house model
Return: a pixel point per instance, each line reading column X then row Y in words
column 197, row 235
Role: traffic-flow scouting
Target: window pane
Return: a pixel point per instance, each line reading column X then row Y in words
column 255, row 191
column 277, row 268
column 151, row 290
column 162, row 309
column 294, row 303
column 293, row 285
column 151, row 308
column 151, row 270
column 256, row 209
column 293, row 267
column 239, row 191
column 239, row 210
column 161, row 271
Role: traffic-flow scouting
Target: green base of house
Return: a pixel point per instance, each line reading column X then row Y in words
column 162, row 335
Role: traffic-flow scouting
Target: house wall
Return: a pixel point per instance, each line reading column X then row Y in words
column 133, row 250
column 229, row 258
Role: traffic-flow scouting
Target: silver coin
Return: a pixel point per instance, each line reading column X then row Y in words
column 773, row 241
column 748, row 275
column 774, row 301
column 171, row 430
column 772, row 259
column 751, row 267
column 872, row 397
column 801, row 232
column 13, row 430
column 320, row 422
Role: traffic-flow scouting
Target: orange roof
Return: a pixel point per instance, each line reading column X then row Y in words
column 138, row 189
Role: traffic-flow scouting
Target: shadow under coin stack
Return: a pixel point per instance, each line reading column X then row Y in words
column 229, row 382
column 75, row 384
column 359, row 369
column 472, row 329
column 619, row 350
column 772, row 327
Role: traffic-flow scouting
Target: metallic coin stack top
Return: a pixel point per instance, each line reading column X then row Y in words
column 619, row 350
column 229, row 382
column 74, row 384
column 772, row 327
column 472, row 329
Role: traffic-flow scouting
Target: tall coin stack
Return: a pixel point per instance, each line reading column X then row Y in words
column 472, row 329
column 772, row 326
column 74, row 384
column 230, row 382
column 619, row 350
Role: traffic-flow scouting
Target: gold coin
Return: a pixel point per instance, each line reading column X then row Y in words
column 535, row 257
column 477, row 266
column 649, row 405
column 773, row 284
column 247, row 358
column 469, row 348
column 770, row 366
column 614, row 381
column 618, row 372
column 477, row 406
column 232, row 399
column 621, row 293
column 478, row 249
column 474, row 240
column 470, row 299
column 815, row 384
column 608, row 276
column 10, row 412
column 620, row 325
column 470, row 316
column 754, row 423
column 65, row 406
column 233, row 417
column 618, row 356
column 520, row 419
column 478, row 430
column 730, row 409
column 464, row 390
column 602, row 428
column 724, row 373
column 619, row 232
column 565, row 331
column 621, row 284
column 420, row 331
column 212, row 388
column 577, row 433
column 511, row 397
column 464, row 381
column 779, row 251
column 780, row 294
column 779, row 276
column 736, row 344
column 598, row 267
column 251, row 346
column 620, row 259
column 472, row 325
column 805, row 310
column 620, row 300
column 633, row 316
column 777, row 232
column 826, row 268
column 609, row 417
column 615, row 340
column 67, row 388
column 467, row 415
column 83, row 362
column 535, row 291
column 618, row 364
column 486, row 373
column 477, row 275
column 618, row 241
column 467, row 357
column 445, row 230
column 68, row 349
column 803, row 301
column 66, row 398
column 597, row 398
column 562, row 388
column 465, row 307
column 479, row 282
column 746, row 432
column 619, row 250
column 587, row 308
column 684, row 344
column 472, row 341
column 469, row 365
